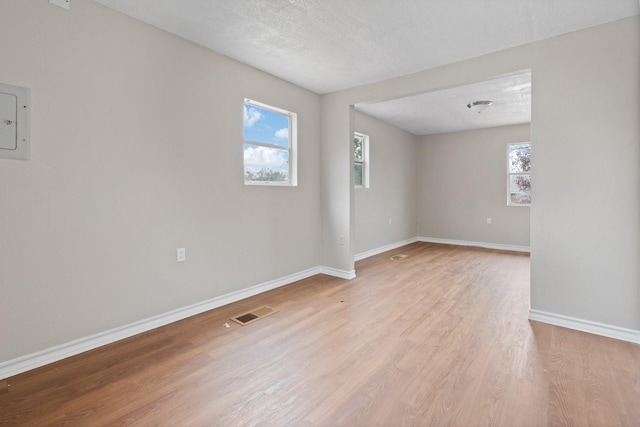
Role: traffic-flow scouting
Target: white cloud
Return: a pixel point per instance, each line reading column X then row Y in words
column 256, row 158
column 282, row 134
column 251, row 116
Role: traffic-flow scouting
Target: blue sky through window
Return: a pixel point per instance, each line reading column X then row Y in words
column 264, row 126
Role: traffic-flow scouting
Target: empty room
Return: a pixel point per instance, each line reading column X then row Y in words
column 320, row 213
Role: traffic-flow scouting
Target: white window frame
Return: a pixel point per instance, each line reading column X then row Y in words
column 292, row 147
column 510, row 174
column 364, row 161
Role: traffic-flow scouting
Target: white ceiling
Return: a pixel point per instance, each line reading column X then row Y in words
column 329, row 45
column 446, row 110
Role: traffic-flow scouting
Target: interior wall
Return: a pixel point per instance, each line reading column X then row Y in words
column 385, row 213
column 337, row 201
column 462, row 181
column 136, row 150
column 584, row 219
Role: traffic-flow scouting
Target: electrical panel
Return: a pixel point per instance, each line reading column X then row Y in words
column 14, row 122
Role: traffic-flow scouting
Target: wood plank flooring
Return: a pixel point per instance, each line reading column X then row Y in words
column 438, row 338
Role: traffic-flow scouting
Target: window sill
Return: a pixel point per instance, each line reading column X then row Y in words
column 270, row 184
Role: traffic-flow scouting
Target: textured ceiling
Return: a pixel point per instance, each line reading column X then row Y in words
column 446, row 110
column 329, row 45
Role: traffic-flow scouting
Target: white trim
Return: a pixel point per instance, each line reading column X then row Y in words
column 291, row 148
column 59, row 352
column 342, row 274
column 478, row 244
column 262, row 105
column 510, row 174
column 609, row 331
column 364, row 161
column 372, row 252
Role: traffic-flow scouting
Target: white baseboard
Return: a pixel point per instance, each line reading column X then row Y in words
column 385, row 248
column 53, row 354
column 342, row 274
column 478, row 244
column 596, row 328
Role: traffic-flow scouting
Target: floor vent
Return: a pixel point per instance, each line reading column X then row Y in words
column 397, row 257
column 253, row 315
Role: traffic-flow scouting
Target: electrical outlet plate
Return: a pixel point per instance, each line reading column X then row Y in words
column 61, row 3
column 181, row 254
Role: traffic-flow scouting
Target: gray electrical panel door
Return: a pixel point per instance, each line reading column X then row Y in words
column 9, row 117
column 14, row 122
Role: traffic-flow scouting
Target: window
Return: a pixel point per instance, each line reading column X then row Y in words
column 519, row 174
column 269, row 145
column 361, row 159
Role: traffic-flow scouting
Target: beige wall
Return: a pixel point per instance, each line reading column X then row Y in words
column 584, row 219
column 462, row 181
column 586, row 214
column 136, row 151
column 392, row 193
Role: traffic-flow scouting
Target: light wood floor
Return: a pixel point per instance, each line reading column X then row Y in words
column 438, row 338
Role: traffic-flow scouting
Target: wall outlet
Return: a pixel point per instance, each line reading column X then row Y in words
column 341, row 239
column 389, row 220
column 181, row 254
column 489, row 221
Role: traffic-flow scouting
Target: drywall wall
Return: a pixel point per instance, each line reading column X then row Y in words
column 385, row 213
column 584, row 219
column 136, row 150
column 337, row 202
column 462, row 181
column 586, row 214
